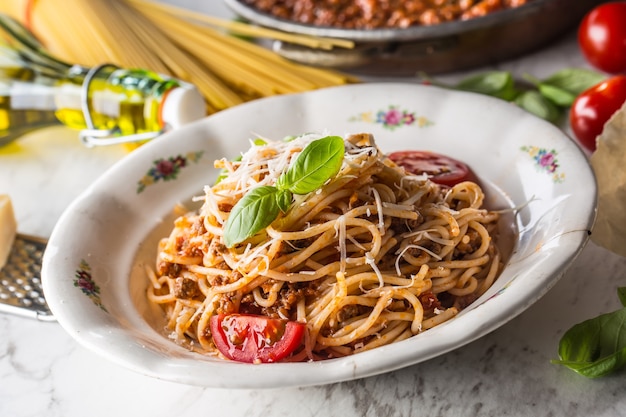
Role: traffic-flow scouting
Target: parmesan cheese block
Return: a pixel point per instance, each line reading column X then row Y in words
column 607, row 161
column 8, row 228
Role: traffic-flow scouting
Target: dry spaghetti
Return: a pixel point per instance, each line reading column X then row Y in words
column 190, row 46
column 372, row 257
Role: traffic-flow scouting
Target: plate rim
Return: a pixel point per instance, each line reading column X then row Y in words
column 351, row 368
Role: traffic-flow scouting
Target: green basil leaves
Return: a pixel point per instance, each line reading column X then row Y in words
column 318, row 162
column 547, row 98
column 536, row 103
column 574, row 80
column 492, row 83
column 596, row 347
column 255, row 211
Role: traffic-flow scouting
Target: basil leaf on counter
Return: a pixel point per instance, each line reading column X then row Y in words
column 557, row 95
column 621, row 293
column 316, row 164
column 574, row 80
column 535, row 103
column 564, row 86
column 492, row 83
column 253, row 213
column 548, row 98
column 596, row 347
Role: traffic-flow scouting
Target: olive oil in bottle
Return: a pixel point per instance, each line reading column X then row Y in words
column 15, row 119
column 107, row 104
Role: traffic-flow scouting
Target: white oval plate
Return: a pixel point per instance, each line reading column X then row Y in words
column 93, row 269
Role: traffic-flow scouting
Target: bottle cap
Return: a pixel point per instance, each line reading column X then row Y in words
column 182, row 105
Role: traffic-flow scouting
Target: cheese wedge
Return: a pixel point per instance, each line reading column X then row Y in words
column 8, row 228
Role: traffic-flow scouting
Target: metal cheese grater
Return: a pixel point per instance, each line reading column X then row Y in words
column 20, row 280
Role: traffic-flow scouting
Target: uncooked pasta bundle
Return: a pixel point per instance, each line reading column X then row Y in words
column 200, row 49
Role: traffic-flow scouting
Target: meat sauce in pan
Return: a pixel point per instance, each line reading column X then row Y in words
column 374, row 14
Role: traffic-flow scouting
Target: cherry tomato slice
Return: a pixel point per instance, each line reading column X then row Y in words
column 594, row 107
column 602, row 37
column 252, row 338
column 441, row 169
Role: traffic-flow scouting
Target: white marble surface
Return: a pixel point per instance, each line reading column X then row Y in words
column 43, row 372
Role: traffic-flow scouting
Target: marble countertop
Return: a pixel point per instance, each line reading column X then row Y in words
column 44, row 372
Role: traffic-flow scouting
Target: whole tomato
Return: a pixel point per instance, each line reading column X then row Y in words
column 602, row 37
column 594, row 107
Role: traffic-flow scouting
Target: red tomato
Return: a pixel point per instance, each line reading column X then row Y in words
column 602, row 37
column 594, row 107
column 251, row 338
column 441, row 169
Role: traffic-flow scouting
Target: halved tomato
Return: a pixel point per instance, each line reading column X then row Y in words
column 252, row 338
column 441, row 169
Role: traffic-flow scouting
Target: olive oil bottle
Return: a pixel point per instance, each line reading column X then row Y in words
column 107, row 104
column 16, row 120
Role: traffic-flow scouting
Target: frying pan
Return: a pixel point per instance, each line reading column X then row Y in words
column 446, row 47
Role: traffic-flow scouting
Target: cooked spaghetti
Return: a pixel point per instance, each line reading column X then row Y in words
column 372, row 257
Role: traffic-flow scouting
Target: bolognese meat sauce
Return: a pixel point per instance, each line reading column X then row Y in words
column 372, row 14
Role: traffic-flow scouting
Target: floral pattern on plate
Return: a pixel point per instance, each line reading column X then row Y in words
column 392, row 118
column 84, row 281
column 546, row 160
column 167, row 169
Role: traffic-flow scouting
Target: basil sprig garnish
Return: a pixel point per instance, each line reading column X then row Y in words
column 596, row 347
column 318, row 162
column 546, row 98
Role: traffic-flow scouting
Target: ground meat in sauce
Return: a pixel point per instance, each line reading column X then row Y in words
column 371, row 14
column 168, row 268
column 470, row 246
column 228, row 303
column 348, row 312
column 185, row 288
column 285, row 306
column 429, row 301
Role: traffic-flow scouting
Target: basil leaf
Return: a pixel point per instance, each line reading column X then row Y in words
column 283, row 199
column 621, row 293
column 493, row 83
column 595, row 347
column 599, row 368
column 574, row 80
column 253, row 213
column 316, row 164
column 533, row 102
column 557, row 95
column 564, row 86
